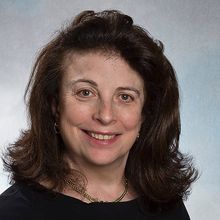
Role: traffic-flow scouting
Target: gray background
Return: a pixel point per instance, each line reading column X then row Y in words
column 190, row 30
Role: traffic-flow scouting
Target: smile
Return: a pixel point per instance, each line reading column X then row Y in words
column 107, row 136
column 101, row 136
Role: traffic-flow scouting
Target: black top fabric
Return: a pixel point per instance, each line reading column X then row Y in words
column 21, row 202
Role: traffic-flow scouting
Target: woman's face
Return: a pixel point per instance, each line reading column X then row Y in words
column 100, row 107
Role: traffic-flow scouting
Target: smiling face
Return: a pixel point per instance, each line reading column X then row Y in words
column 101, row 100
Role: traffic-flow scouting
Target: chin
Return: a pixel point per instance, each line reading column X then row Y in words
column 99, row 159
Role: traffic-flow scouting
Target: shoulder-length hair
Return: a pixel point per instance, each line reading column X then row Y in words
column 156, row 169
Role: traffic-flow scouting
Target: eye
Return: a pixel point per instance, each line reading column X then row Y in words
column 84, row 93
column 126, row 98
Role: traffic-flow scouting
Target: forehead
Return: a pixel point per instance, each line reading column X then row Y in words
column 100, row 67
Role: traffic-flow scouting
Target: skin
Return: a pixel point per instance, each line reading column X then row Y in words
column 99, row 113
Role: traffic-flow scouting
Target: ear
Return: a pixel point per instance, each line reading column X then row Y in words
column 143, row 117
column 55, row 109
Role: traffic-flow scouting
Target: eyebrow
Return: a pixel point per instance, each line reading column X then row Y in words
column 130, row 89
column 73, row 82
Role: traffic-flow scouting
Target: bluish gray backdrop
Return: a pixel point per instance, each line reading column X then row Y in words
column 190, row 30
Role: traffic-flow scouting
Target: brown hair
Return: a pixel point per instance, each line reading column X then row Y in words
column 159, row 173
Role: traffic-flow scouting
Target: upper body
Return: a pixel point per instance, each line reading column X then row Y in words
column 21, row 202
column 103, row 105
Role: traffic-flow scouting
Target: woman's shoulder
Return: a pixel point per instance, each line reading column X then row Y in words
column 179, row 212
column 176, row 211
column 17, row 202
column 25, row 201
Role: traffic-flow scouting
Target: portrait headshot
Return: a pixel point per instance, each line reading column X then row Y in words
column 109, row 111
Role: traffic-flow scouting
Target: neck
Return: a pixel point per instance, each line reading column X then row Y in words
column 104, row 182
column 99, row 174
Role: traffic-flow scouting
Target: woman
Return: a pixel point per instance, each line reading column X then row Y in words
column 104, row 129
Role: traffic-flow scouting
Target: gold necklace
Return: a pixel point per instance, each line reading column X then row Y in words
column 81, row 190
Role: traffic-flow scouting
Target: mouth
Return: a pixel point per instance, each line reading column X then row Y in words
column 101, row 136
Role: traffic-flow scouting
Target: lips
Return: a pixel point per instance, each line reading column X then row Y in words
column 101, row 136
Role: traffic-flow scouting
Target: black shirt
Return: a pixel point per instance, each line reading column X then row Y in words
column 21, row 202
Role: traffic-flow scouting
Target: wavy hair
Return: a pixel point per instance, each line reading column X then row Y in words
column 157, row 170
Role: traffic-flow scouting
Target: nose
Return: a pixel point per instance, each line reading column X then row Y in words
column 104, row 113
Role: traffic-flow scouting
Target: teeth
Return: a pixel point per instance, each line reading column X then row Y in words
column 101, row 137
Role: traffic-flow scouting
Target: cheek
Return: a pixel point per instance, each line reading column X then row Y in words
column 131, row 118
column 74, row 113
